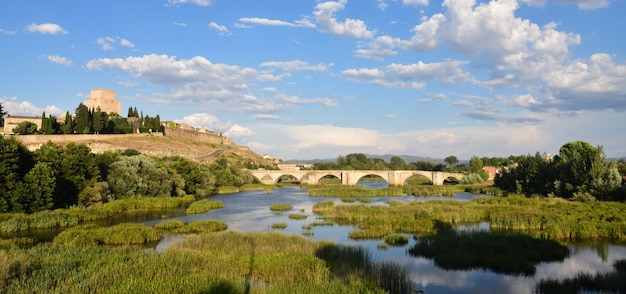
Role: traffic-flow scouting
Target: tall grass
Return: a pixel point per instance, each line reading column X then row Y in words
column 71, row 217
column 352, row 191
column 280, row 207
column 202, row 206
column 539, row 217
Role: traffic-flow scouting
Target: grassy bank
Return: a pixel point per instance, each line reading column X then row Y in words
column 227, row 262
column 202, row 206
column 352, row 191
column 71, row 217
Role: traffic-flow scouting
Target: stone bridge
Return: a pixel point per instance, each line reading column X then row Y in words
column 351, row 177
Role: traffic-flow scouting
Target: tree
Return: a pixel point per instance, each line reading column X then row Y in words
column 397, row 163
column 36, row 192
column 2, row 114
column 100, row 120
column 15, row 162
column 82, row 120
column 68, row 124
column 25, row 128
column 141, row 176
column 451, row 160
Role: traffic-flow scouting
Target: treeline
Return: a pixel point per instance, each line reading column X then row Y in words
column 59, row 177
column 580, row 171
column 92, row 121
column 359, row 161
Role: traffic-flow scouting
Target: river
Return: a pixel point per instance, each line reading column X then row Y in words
column 249, row 211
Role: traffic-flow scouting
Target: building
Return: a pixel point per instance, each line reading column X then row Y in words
column 11, row 121
column 105, row 99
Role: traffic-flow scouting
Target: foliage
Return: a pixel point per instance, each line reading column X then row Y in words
column 396, row 239
column 202, row 206
column 451, row 160
column 25, row 128
column 297, row 216
column 199, row 180
column 228, row 175
column 579, row 170
column 472, row 178
column 141, row 176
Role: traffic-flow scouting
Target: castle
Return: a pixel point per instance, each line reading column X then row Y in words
column 105, row 99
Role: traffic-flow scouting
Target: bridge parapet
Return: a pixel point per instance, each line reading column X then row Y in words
column 352, row 177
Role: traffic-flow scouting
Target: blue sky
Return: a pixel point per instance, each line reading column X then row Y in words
column 319, row 79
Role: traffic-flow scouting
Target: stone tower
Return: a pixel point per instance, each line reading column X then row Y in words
column 105, row 99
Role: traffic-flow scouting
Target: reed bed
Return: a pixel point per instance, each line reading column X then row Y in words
column 202, row 206
column 548, row 218
column 352, row 191
column 396, row 239
column 279, row 226
column 195, row 227
column 122, row 234
column 280, row 207
column 227, row 189
column 297, row 216
column 71, row 217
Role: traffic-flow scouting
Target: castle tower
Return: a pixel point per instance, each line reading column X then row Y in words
column 105, row 99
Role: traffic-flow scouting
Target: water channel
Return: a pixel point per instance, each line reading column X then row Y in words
column 249, row 211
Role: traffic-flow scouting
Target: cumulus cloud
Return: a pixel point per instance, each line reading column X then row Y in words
column 238, row 131
column 327, row 22
column 13, row 106
column 206, row 121
column 46, row 28
column 582, row 4
column 59, row 60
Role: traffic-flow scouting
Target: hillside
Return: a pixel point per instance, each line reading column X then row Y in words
column 201, row 147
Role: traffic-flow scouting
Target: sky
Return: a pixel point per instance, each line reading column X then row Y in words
column 318, row 79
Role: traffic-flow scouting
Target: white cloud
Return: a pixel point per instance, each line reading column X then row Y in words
column 238, row 131
column 59, row 60
column 197, row 2
column 180, row 24
column 404, row 75
column 294, row 65
column 127, row 43
column 415, row 2
column 46, row 28
column 221, row 29
column 10, row 33
column 325, row 18
column 582, row 4
column 12, row 106
column 267, row 22
column 267, row 117
column 206, row 121
column 108, row 43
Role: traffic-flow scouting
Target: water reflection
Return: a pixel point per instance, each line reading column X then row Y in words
column 249, row 211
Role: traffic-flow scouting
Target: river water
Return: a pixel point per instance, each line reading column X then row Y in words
column 249, row 211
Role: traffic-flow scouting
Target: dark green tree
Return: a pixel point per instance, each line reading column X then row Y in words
column 2, row 114
column 36, row 191
column 100, row 121
column 25, row 128
column 82, row 120
column 15, row 162
column 142, row 176
column 68, row 124
column 198, row 178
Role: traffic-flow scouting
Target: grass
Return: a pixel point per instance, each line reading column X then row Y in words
column 547, row 218
column 279, row 226
column 227, row 189
column 297, row 216
column 202, row 206
column 122, row 234
column 280, row 207
column 71, row 217
column 352, row 191
column 396, row 239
